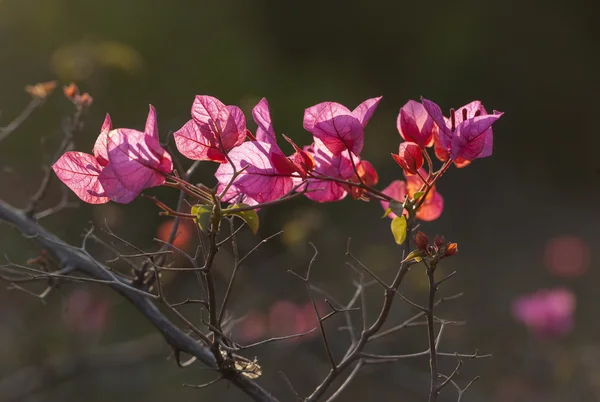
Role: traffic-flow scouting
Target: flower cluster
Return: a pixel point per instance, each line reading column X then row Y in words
column 255, row 170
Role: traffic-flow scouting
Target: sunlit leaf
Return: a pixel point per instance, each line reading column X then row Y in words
column 249, row 216
column 399, row 229
column 203, row 214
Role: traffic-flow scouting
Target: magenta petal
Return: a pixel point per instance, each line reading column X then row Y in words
column 436, row 114
column 100, row 151
column 311, row 114
column 432, row 208
column 365, row 110
column 470, row 137
column 193, row 144
column 80, row 171
column 396, row 190
column 235, row 130
column 262, row 117
column 151, row 128
column 210, row 113
column 260, row 180
column 339, row 129
column 137, row 159
column 414, row 124
column 324, row 191
column 113, row 189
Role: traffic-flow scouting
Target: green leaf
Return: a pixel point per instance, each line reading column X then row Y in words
column 418, row 195
column 417, row 255
column 399, row 229
column 250, row 216
column 387, row 212
column 397, row 207
column 203, row 214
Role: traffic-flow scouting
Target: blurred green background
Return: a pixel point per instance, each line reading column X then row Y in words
column 536, row 61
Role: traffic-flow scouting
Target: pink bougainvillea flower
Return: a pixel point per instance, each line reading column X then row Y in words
column 124, row 162
column 267, row 173
column 410, row 157
column 213, row 130
column 136, row 161
column 432, row 207
column 252, row 327
column 467, row 134
column 80, row 171
column 415, row 125
column 338, row 128
column 329, row 165
column 547, row 313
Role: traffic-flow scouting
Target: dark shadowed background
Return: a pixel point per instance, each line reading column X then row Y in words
column 536, row 61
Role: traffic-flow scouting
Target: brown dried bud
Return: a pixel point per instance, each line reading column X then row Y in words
column 41, row 90
column 71, row 91
column 422, row 241
column 85, row 100
column 439, row 241
column 451, row 249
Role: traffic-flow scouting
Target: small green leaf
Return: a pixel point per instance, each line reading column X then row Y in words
column 250, row 216
column 397, row 207
column 418, row 195
column 399, row 229
column 417, row 255
column 203, row 214
column 387, row 212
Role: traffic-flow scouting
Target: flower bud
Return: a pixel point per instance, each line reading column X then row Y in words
column 71, row 91
column 422, row 241
column 451, row 249
column 41, row 90
column 85, row 100
column 410, row 157
column 439, row 241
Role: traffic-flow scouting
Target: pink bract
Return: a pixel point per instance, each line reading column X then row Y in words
column 415, row 125
column 268, row 174
column 125, row 162
column 213, row 130
column 432, row 207
column 467, row 134
column 338, row 128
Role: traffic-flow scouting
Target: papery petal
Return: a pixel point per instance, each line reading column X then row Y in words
column 396, row 190
column 211, row 114
column 324, row 191
column 365, row 110
column 303, row 160
column 235, row 130
column 113, row 188
column 415, row 125
column 410, row 157
column 339, row 129
column 100, row 151
column 436, row 114
column 262, row 117
column 79, row 172
column 367, row 173
column 469, row 139
column 260, row 180
column 151, row 128
column 432, row 207
column 137, row 159
column 311, row 114
column 193, row 144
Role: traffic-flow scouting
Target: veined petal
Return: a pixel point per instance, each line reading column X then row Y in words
column 79, row 171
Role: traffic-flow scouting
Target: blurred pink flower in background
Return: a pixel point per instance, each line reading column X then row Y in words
column 86, row 313
column 285, row 318
column 547, row 313
column 567, row 256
